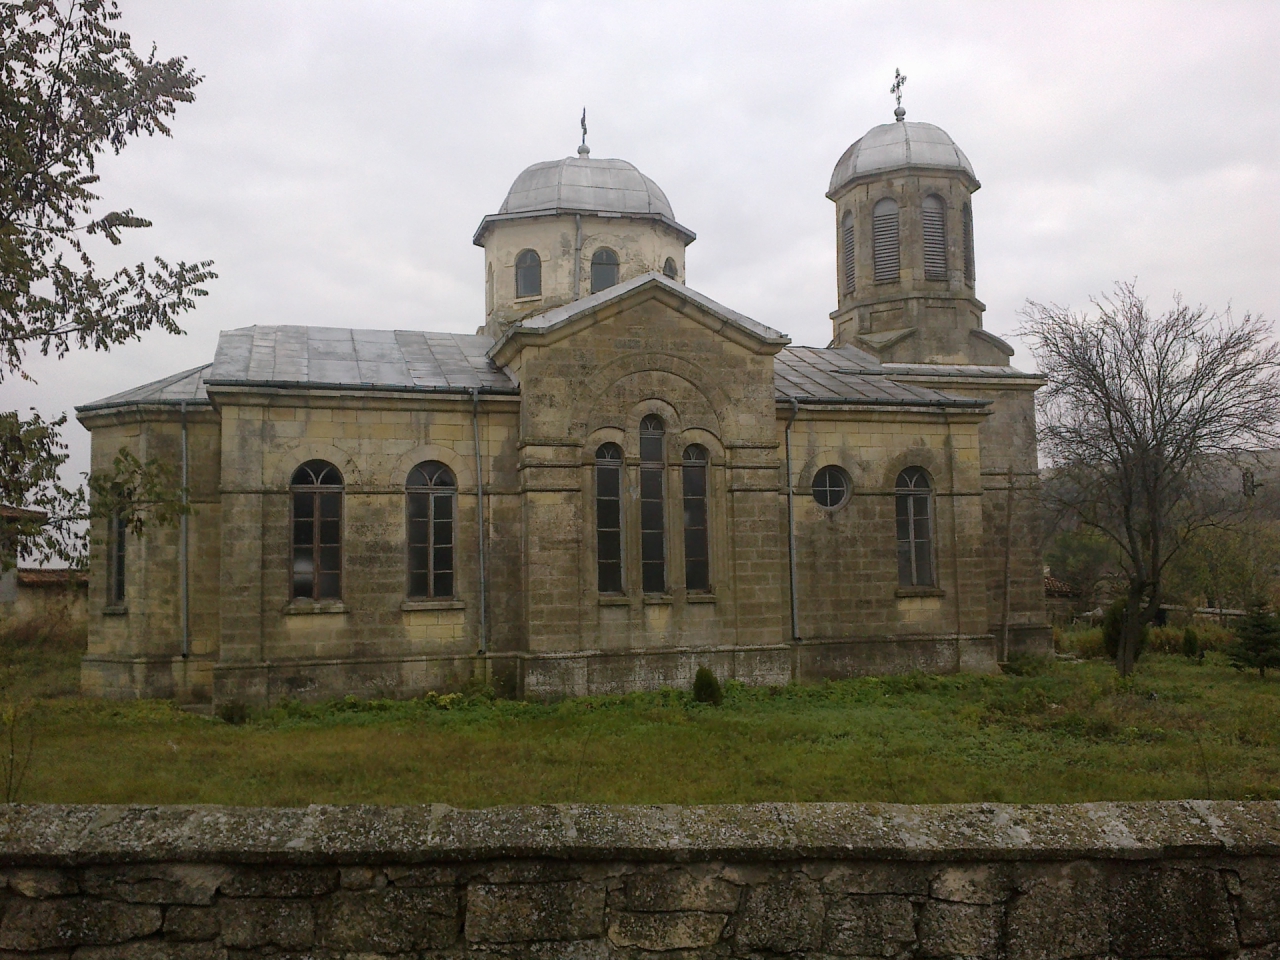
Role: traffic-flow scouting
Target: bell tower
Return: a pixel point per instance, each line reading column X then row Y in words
column 904, row 243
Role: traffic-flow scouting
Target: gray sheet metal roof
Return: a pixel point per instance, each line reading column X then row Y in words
column 412, row 360
column 185, row 386
column 561, row 315
column 845, row 375
column 957, row 370
column 892, row 146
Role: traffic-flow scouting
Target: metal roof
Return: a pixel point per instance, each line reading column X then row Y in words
column 186, row 386
column 412, row 360
column 845, row 375
column 957, row 370
column 892, row 146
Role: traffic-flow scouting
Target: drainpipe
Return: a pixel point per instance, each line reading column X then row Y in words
column 577, row 257
column 791, row 525
column 475, row 430
column 182, row 543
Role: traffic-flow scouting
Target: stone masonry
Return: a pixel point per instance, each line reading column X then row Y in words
column 1192, row 879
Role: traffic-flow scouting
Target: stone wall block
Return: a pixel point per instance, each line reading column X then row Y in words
column 72, row 921
column 980, row 883
column 1059, row 911
column 1171, row 912
column 1258, row 886
column 161, row 883
column 421, row 876
column 191, row 923
column 870, row 878
column 281, row 882
column 869, row 926
column 152, row 950
column 40, row 883
column 390, row 920
column 959, row 930
column 517, row 912
column 267, row 922
column 679, row 930
column 783, row 916
column 680, row 890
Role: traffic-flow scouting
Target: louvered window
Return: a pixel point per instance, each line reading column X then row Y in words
column 846, row 239
column 609, row 518
column 968, row 245
column 884, row 240
column 933, row 222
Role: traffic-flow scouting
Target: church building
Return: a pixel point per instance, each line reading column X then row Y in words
column 614, row 481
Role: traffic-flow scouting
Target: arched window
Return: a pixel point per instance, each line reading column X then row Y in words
column 604, row 269
column 697, row 565
column 316, row 490
column 528, row 274
column 884, row 240
column 967, row 214
column 669, row 269
column 847, row 251
column 117, row 533
column 830, row 487
column 609, row 518
column 488, row 288
column 915, row 548
column 430, row 509
column 933, row 225
column 653, row 554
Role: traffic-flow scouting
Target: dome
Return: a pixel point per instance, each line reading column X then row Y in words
column 892, row 146
column 585, row 185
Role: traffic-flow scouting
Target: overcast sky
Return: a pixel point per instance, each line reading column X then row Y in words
column 339, row 155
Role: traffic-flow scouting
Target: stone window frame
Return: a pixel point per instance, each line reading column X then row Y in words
column 439, row 485
column 315, row 490
column 908, row 496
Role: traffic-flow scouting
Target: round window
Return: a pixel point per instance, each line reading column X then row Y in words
column 830, row 486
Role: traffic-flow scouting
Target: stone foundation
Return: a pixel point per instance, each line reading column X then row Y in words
column 1173, row 879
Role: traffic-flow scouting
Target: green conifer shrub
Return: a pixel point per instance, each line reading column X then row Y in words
column 1190, row 643
column 1113, row 623
column 1257, row 644
column 706, row 688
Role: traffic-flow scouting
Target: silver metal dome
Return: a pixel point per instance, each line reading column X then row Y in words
column 582, row 184
column 892, row 146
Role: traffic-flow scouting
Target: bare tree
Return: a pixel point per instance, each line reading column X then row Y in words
column 1139, row 413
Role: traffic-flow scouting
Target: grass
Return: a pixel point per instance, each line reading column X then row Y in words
column 1063, row 732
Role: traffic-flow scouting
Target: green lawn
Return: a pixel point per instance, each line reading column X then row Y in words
column 1073, row 733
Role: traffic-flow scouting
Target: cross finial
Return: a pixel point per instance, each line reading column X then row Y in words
column 899, row 81
column 584, row 150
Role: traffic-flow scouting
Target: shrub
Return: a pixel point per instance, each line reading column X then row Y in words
column 706, row 688
column 1086, row 644
column 233, row 712
column 1113, row 624
column 1027, row 665
column 1190, row 643
column 1257, row 643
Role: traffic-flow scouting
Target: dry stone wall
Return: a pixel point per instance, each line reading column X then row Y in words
column 1188, row 879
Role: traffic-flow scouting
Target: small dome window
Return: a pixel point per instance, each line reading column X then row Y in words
column 669, row 269
column 884, row 240
column 528, row 274
column 604, row 269
column 830, row 487
column 933, row 225
column 847, row 251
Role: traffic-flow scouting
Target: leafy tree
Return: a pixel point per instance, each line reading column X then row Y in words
column 1082, row 558
column 1139, row 414
column 73, row 88
column 1257, row 643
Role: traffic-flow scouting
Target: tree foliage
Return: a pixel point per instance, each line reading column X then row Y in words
column 1257, row 644
column 74, row 89
column 1137, row 419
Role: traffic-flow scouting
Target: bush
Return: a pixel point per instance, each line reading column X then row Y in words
column 1086, row 644
column 1113, row 624
column 233, row 711
column 706, row 688
column 1027, row 665
column 1190, row 643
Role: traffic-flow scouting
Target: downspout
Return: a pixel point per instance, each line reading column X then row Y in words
column 475, row 430
column 182, row 544
column 577, row 257
column 791, row 525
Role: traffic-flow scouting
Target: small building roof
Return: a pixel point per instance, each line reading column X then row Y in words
column 846, row 375
column 892, row 146
column 186, row 386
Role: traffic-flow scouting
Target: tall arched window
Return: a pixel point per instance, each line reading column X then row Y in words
column 653, row 554
column 915, row 547
column 669, row 269
column 604, row 269
column 430, row 508
column 609, row 518
column 884, row 240
column 528, row 274
column 847, row 249
column 316, row 490
column 697, row 565
column 967, row 214
column 488, row 288
column 933, row 224
column 117, row 534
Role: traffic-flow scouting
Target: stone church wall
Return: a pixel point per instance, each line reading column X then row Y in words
column 1187, row 879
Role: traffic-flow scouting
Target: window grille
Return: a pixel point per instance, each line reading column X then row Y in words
column 430, row 512
column 830, row 487
column 604, row 269
column 847, row 242
column 316, row 490
column 609, row 518
column 697, row 566
column 968, row 244
column 915, row 546
column 884, row 240
column 117, row 532
column 653, row 559
column 669, row 269
column 528, row 274
column 933, row 222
